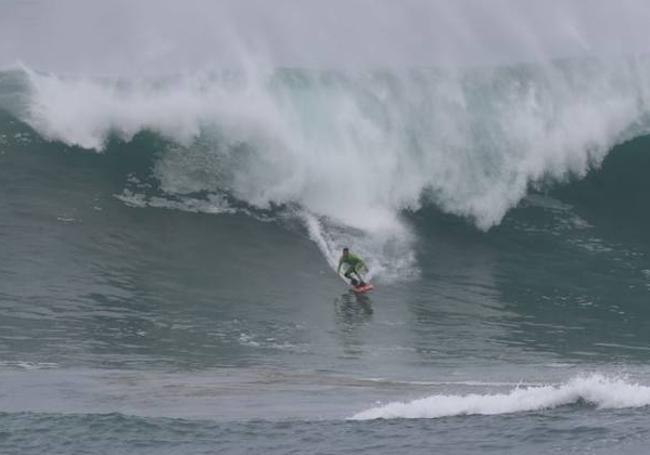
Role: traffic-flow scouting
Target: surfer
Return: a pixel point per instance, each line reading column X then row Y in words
column 355, row 267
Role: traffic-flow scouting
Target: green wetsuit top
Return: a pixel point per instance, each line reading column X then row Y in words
column 353, row 261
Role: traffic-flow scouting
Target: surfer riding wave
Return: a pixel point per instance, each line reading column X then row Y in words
column 355, row 267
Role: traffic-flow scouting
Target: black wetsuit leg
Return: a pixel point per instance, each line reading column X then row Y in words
column 355, row 281
column 348, row 275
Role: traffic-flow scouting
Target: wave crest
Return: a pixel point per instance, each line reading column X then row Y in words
column 360, row 147
column 598, row 390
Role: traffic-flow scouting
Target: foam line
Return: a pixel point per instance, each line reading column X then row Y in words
column 598, row 390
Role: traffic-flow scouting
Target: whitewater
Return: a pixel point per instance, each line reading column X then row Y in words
column 361, row 147
column 596, row 390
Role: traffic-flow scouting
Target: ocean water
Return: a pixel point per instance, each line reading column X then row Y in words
column 169, row 240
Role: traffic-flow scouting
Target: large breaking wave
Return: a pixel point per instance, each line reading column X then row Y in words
column 361, row 147
column 353, row 149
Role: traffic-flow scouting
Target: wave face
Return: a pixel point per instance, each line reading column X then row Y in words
column 597, row 390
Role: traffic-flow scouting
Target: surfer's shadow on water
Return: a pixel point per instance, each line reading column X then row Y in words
column 353, row 308
column 353, row 312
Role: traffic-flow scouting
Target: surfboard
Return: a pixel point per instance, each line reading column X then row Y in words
column 362, row 289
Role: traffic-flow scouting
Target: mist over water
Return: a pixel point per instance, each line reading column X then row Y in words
column 146, row 36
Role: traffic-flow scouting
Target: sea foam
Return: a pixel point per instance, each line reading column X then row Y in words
column 361, row 147
column 600, row 391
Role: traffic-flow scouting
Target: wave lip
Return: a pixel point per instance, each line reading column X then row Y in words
column 599, row 390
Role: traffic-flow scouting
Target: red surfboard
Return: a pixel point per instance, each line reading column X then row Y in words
column 363, row 289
